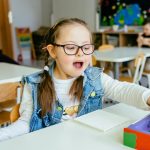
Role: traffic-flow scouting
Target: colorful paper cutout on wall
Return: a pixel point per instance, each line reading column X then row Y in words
column 123, row 12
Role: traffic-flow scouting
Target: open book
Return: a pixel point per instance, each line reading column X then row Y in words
column 101, row 120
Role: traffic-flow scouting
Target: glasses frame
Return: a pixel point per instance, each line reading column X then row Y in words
column 79, row 47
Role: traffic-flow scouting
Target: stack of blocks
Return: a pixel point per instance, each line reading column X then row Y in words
column 137, row 135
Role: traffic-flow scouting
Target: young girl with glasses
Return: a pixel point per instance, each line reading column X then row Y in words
column 69, row 87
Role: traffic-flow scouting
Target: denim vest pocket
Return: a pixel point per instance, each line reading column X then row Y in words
column 94, row 101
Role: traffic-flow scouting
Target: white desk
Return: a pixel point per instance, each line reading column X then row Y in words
column 14, row 73
column 71, row 135
column 119, row 55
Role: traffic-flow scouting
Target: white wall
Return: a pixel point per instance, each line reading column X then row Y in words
column 29, row 13
column 46, row 12
column 83, row 9
column 36, row 13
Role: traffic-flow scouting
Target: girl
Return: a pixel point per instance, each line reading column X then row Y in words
column 144, row 40
column 68, row 87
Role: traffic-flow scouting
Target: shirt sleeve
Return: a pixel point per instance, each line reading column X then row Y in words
column 21, row 126
column 125, row 92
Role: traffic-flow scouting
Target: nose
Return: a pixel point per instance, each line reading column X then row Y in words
column 79, row 52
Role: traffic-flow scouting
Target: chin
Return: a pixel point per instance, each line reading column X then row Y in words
column 77, row 75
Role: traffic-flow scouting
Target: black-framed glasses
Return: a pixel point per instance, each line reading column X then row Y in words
column 72, row 49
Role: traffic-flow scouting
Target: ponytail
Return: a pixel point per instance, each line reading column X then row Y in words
column 76, row 89
column 46, row 91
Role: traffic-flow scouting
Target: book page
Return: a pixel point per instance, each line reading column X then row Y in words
column 101, row 120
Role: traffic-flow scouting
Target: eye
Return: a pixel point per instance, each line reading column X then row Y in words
column 70, row 47
column 87, row 47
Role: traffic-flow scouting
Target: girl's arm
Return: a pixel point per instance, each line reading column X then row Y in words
column 125, row 92
column 21, row 126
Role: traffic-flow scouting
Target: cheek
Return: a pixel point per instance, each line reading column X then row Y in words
column 64, row 59
column 88, row 58
column 68, row 60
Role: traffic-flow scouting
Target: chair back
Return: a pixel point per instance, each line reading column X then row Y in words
column 106, row 65
column 9, row 91
column 14, row 114
column 93, row 61
column 106, row 47
column 139, row 67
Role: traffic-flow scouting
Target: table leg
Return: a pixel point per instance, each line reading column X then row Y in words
column 116, row 70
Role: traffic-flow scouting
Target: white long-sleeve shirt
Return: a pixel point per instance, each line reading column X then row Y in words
column 128, row 93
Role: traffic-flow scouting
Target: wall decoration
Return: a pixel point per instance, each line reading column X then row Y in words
column 123, row 12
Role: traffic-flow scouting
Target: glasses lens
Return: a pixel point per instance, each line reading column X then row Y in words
column 88, row 48
column 70, row 49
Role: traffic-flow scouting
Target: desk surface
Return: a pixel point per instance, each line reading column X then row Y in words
column 120, row 54
column 14, row 73
column 75, row 136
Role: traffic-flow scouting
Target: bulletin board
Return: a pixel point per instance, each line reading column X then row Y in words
column 123, row 12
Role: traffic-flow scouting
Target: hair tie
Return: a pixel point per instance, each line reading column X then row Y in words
column 46, row 68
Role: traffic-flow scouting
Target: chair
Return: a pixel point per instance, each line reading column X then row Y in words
column 139, row 64
column 93, row 61
column 25, row 44
column 14, row 114
column 106, row 47
column 106, row 65
column 7, row 117
column 9, row 97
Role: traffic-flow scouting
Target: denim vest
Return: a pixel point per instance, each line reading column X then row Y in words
column 91, row 98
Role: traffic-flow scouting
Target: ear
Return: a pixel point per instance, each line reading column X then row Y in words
column 51, row 51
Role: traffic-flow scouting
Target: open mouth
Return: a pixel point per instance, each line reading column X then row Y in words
column 78, row 65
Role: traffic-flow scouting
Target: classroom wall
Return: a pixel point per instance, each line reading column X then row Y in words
column 29, row 13
column 84, row 9
column 36, row 13
column 46, row 12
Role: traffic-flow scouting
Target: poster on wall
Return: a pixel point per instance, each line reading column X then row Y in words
column 123, row 12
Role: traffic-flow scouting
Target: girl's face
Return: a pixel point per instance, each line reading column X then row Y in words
column 146, row 29
column 68, row 66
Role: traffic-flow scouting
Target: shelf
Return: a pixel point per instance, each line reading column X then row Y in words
column 124, row 38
